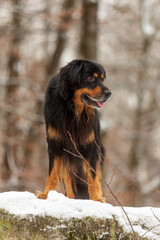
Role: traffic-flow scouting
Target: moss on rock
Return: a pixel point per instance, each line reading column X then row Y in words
column 40, row 228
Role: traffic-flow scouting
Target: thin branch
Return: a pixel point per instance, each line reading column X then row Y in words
column 134, row 234
column 99, row 149
column 108, row 186
column 111, row 179
column 75, row 155
column 155, row 215
column 81, row 156
column 149, row 230
column 83, row 180
column 119, row 203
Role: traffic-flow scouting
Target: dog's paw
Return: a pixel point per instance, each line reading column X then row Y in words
column 41, row 195
column 101, row 199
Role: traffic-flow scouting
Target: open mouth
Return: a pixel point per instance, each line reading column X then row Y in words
column 93, row 102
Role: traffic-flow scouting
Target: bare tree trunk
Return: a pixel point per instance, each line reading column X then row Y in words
column 34, row 136
column 136, row 155
column 64, row 25
column 88, row 44
column 10, row 149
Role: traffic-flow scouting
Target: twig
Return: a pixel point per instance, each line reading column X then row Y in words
column 123, row 208
column 113, row 172
column 149, row 230
column 108, row 186
column 75, row 155
column 83, row 180
column 99, row 149
column 155, row 215
column 134, row 234
column 81, row 156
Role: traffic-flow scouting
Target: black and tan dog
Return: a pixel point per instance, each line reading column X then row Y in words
column 73, row 131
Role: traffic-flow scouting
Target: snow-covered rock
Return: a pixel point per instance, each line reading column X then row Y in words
column 69, row 212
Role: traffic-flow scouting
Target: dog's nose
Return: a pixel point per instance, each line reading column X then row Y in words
column 107, row 93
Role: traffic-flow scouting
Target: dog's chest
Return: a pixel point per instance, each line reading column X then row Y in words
column 81, row 132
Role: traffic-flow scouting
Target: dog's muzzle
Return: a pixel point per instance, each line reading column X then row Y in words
column 107, row 94
column 96, row 102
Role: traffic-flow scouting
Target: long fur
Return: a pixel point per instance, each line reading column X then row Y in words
column 69, row 120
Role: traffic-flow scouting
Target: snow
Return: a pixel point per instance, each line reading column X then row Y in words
column 57, row 205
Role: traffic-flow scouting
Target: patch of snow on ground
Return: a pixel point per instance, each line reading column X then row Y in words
column 59, row 206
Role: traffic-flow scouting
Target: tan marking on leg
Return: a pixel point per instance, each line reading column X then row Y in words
column 68, row 184
column 94, row 185
column 52, row 133
column 52, row 179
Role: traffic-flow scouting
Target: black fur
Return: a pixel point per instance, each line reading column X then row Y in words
column 60, row 113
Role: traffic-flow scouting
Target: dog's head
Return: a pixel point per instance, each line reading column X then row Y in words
column 83, row 81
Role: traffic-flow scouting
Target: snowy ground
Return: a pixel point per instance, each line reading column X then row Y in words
column 57, row 205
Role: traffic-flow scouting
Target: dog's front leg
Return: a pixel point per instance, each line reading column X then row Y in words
column 52, row 179
column 68, row 183
column 94, row 183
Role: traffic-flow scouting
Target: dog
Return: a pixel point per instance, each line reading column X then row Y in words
column 75, row 150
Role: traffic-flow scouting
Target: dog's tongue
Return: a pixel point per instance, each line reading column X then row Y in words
column 100, row 104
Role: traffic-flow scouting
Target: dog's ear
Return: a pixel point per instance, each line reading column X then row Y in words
column 72, row 72
column 69, row 76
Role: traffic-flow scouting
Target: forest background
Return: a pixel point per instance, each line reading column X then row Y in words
column 36, row 39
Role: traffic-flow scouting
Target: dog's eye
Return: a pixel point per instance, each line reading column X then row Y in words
column 91, row 79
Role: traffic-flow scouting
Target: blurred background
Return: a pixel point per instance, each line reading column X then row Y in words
column 36, row 39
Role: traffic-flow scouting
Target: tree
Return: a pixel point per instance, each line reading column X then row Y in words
column 89, row 30
column 11, row 157
column 137, row 148
column 64, row 25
